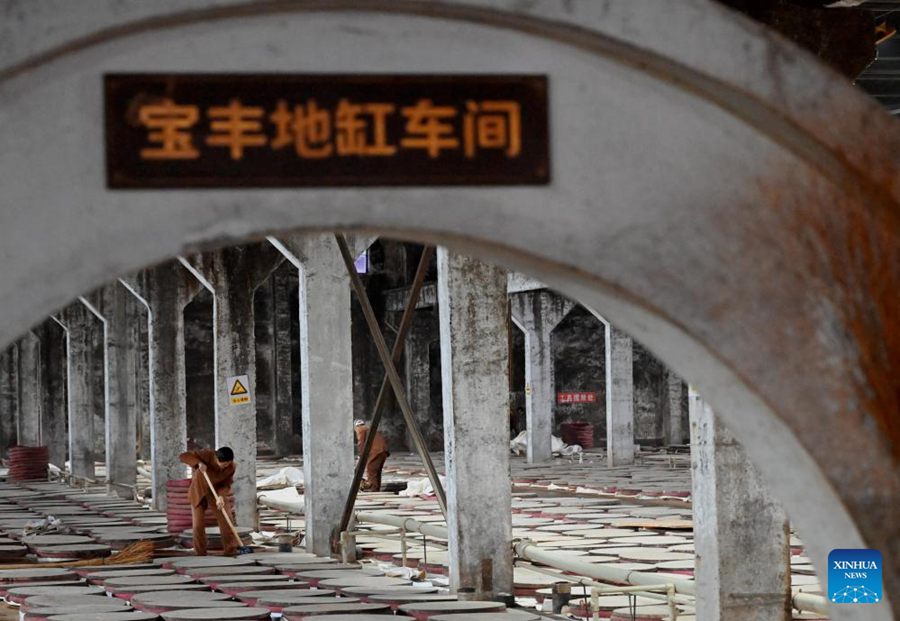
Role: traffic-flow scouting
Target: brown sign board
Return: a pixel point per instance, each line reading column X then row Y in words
column 282, row 130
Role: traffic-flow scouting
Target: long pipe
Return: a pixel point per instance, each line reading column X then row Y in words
column 598, row 571
column 408, row 524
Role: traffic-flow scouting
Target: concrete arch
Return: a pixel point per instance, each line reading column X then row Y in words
column 703, row 173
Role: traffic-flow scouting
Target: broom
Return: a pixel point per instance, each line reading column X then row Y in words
column 242, row 549
column 137, row 552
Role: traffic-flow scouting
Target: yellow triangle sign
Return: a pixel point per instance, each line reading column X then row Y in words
column 238, row 388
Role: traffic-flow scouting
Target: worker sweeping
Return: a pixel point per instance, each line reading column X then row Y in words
column 214, row 468
column 377, row 456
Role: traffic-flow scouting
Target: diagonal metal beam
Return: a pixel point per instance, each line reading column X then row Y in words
column 391, row 371
column 384, row 394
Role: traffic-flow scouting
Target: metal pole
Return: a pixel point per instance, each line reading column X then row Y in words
column 384, row 394
column 391, row 371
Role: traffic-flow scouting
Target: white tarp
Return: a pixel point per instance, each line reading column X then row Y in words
column 288, row 476
column 421, row 487
column 285, row 499
column 519, row 445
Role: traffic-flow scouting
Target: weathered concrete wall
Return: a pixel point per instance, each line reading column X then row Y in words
column 266, row 387
column 54, row 413
column 142, row 370
column 392, row 266
column 28, row 422
column 650, row 397
column 120, row 312
column 422, row 362
column 199, row 366
column 676, row 423
column 578, row 354
column 84, row 373
column 9, row 397
column 276, row 385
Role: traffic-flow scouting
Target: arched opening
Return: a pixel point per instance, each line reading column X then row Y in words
column 683, row 263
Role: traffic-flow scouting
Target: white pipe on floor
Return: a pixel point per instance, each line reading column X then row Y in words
column 408, row 524
column 608, row 573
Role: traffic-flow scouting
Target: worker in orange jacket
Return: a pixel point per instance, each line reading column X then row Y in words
column 219, row 467
column 377, row 456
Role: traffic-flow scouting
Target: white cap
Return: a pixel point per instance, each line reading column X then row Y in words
column 359, row 422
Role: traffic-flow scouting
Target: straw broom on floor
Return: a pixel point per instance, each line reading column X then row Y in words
column 137, row 552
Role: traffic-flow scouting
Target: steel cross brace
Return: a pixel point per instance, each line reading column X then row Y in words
column 391, row 381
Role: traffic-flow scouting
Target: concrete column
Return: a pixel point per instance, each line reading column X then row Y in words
column 28, row 423
column 472, row 303
column 232, row 275
column 326, row 381
column 164, row 291
column 54, row 412
column 83, row 407
column 741, row 535
column 9, row 397
column 417, row 362
column 674, row 423
column 263, row 302
column 274, row 390
column 142, row 379
column 537, row 313
column 119, row 308
column 619, row 398
column 283, row 378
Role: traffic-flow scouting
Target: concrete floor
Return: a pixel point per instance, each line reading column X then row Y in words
column 637, row 516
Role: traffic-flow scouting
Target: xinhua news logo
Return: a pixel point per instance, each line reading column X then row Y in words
column 854, row 576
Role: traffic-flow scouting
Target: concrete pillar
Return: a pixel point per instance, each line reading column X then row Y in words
column 28, row 423
column 326, row 381
column 200, row 368
column 232, row 275
column 263, row 301
column 283, row 280
column 619, row 398
column 164, row 291
column 274, row 389
column 83, row 407
column 537, row 313
column 741, row 535
column 9, row 397
column 472, row 303
column 54, row 411
column 674, row 422
column 142, row 379
column 120, row 311
column 417, row 368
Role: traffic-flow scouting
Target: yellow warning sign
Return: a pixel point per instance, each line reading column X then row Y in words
column 238, row 388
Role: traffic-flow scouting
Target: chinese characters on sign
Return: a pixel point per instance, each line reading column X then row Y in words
column 576, row 397
column 280, row 131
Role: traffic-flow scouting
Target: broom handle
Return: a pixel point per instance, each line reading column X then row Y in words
column 223, row 509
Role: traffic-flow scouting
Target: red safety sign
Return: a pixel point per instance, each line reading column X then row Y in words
column 576, row 397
